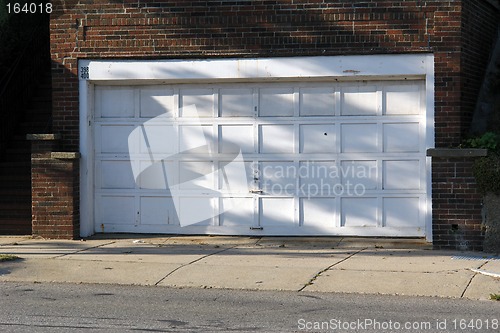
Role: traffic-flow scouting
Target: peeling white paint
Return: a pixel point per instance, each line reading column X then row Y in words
column 274, row 68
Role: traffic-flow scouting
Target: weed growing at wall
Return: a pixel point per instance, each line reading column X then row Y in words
column 487, row 173
column 487, row 169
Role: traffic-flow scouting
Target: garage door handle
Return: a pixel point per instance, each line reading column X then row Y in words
column 256, row 191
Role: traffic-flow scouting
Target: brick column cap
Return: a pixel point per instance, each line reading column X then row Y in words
column 456, row 152
column 60, row 155
column 43, row 137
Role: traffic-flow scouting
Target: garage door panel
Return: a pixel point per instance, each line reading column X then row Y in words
column 196, row 103
column 402, row 137
column 276, row 102
column 317, row 102
column 318, row 177
column 276, row 139
column 277, row 212
column 116, row 175
column 156, row 102
column 403, row 99
column 196, row 211
column 359, row 175
column 117, row 210
column 158, row 211
column 278, row 177
column 114, row 139
column 236, row 138
column 359, row 212
column 359, row 138
column 196, row 175
column 237, row 212
column 156, row 138
column 402, row 212
column 115, row 102
column 402, row 175
column 318, row 212
column 236, row 102
column 156, row 175
column 360, row 101
column 196, row 139
column 317, row 138
column 235, row 176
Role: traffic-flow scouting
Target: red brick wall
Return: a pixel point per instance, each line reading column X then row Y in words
column 457, row 220
column 456, row 213
column 200, row 29
column 456, row 31
column 55, row 193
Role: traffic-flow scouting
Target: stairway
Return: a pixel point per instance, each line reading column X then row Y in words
column 15, row 165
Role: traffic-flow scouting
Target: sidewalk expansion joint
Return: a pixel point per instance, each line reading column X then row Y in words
column 192, row 262
column 317, row 275
column 257, row 241
column 339, row 242
column 83, row 250
column 472, row 278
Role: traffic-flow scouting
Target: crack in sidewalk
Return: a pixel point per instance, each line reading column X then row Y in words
column 83, row 250
column 192, row 262
column 472, row 278
column 317, row 275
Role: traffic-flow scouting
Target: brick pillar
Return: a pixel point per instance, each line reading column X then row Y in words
column 54, row 189
column 456, row 201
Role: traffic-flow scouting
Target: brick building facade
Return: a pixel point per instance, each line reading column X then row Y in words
column 458, row 33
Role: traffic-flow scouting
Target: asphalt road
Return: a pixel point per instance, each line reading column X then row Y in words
column 110, row 308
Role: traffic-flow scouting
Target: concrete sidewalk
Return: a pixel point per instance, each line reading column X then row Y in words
column 346, row 265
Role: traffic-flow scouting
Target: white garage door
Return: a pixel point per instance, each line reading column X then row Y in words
column 287, row 158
